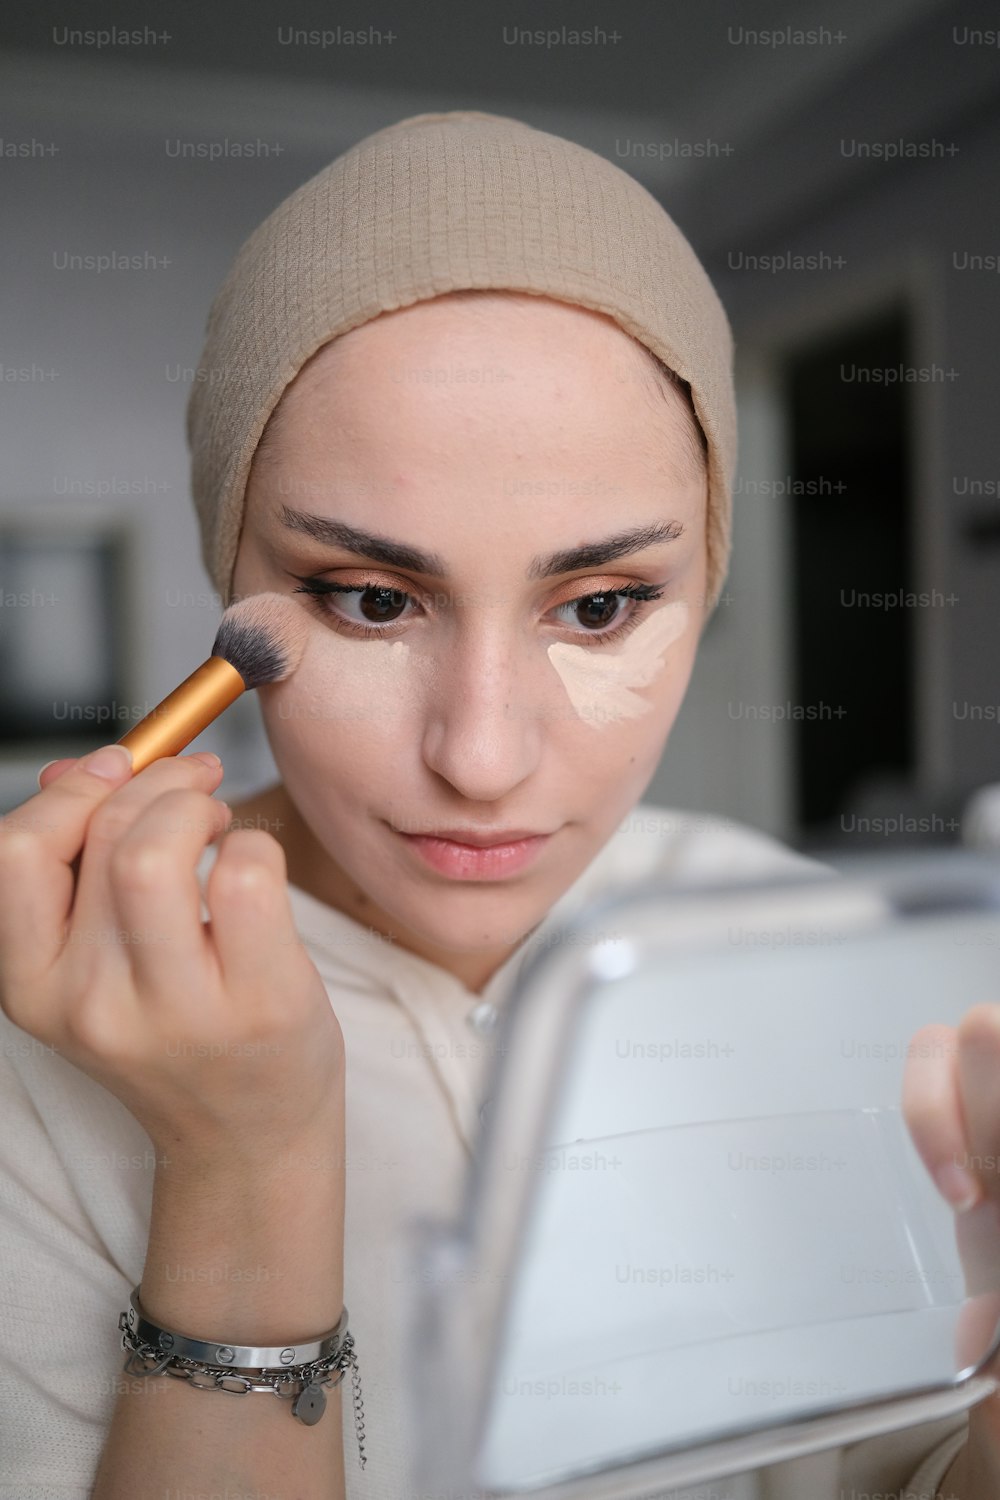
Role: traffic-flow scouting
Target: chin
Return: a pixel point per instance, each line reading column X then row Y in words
column 467, row 920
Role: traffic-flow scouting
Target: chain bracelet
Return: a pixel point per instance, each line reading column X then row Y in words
column 315, row 1375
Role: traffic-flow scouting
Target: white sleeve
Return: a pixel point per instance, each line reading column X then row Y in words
column 925, row 1483
column 60, row 1297
column 908, row 1463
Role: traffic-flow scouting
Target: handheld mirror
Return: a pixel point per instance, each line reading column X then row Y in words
column 696, row 1237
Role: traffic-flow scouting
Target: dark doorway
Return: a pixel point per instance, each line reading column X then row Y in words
column 851, row 523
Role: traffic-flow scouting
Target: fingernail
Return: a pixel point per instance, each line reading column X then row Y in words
column 207, row 758
column 959, row 1186
column 110, row 762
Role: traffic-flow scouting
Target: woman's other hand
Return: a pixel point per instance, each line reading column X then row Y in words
column 951, row 1104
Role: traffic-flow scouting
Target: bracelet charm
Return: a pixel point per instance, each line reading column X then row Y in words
column 310, row 1404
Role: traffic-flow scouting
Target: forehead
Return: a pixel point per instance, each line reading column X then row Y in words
column 479, row 346
column 512, row 322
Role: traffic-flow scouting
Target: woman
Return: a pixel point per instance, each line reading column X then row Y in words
column 467, row 394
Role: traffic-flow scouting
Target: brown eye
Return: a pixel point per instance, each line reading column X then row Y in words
column 380, row 606
column 597, row 609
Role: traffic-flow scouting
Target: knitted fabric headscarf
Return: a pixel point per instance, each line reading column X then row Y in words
column 439, row 203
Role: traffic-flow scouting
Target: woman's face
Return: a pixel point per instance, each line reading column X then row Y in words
column 492, row 448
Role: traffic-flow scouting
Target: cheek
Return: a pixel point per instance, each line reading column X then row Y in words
column 606, row 686
column 341, row 698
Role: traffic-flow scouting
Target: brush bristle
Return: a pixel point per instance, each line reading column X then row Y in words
column 263, row 637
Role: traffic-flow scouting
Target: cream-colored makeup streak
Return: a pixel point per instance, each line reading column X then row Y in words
column 345, row 683
column 600, row 682
column 386, row 670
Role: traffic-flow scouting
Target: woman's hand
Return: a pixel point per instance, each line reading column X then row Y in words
column 951, row 1104
column 217, row 1034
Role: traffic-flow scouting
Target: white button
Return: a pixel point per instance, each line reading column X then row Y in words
column 483, row 1017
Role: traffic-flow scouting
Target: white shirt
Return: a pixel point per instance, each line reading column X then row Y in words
column 76, row 1177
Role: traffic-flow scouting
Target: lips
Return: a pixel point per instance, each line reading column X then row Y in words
column 458, row 859
column 478, row 839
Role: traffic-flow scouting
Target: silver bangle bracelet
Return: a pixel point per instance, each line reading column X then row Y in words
column 239, row 1356
column 298, row 1373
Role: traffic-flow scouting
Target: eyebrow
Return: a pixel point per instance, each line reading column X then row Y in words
column 394, row 554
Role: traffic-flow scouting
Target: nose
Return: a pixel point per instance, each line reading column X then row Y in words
column 483, row 731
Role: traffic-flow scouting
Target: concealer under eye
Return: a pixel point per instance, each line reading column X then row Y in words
column 319, row 589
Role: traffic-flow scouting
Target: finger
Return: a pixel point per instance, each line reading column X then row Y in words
column 38, row 842
column 979, row 1077
column 94, row 910
column 976, row 1330
column 252, row 926
column 54, row 769
column 977, row 1235
column 932, row 1109
column 155, row 887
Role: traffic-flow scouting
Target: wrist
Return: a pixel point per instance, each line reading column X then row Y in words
column 195, row 1147
column 198, row 1166
column 248, row 1249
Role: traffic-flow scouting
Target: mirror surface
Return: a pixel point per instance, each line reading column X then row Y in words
column 726, row 1224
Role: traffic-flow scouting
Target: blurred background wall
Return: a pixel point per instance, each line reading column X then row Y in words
column 834, row 166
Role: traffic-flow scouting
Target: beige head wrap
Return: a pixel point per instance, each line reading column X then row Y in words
column 439, row 203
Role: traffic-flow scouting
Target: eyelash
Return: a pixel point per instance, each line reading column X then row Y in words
column 318, row 588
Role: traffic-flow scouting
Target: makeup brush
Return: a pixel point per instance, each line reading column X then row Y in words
column 260, row 640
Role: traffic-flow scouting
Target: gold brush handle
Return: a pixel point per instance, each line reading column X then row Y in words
column 184, row 713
